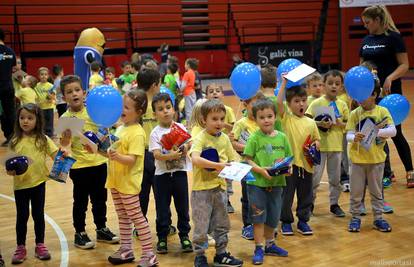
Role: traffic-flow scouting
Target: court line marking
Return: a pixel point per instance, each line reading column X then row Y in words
column 64, row 258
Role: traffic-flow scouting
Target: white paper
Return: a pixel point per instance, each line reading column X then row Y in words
column 87, row 142
column 75, row 125
column 236, row 171
column 326, row 110
column 299, row 72
column 370, row 131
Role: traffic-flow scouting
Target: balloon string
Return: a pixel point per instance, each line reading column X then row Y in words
column 112, row 170
column 238, row 109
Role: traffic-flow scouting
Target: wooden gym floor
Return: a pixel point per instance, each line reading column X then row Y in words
column 331, row 244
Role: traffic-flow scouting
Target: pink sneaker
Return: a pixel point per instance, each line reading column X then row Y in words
column 148, row 260
column 19, row 255
column 41, row 252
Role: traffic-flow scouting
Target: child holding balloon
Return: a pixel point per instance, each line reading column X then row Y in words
column 30, row 186
column 331, row 133
column 124, row 180
column 367, row 165
column 89, row 172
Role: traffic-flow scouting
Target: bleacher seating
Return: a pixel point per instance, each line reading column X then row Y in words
column 330, row 51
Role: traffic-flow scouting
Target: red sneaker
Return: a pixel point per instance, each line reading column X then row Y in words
column 41, row 252
column 410, row 179
column 19, row 255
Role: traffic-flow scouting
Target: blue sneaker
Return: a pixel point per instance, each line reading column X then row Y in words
column 247, row 232
column 274, row 250
column 387, row 208
column 258, row 256
column 382, row 225
column 386, row 182
column 354, row 225
column 200, row 261
column 304, row 228
column 286, row 229
column 226, row 260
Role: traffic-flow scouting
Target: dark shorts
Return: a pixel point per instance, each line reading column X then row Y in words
column 265, row 204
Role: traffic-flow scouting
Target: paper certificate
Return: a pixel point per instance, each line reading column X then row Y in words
column 326, row 110
column 299, row 73
column 236, row 171
column 370, row 132
column 75, row 125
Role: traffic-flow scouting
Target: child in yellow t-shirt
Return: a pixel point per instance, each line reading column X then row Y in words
column 29, row 187
column 196, row 120
column 331, row 131
column 367, row 161
column 46, row 99
column 298, row 129
column 126, row 168
column 27, row 94
column 214, row 91
column 110, row 77
column 208, row 196
column 89, row 172
column 314, row 87
column 95, row 79
column 242, row 129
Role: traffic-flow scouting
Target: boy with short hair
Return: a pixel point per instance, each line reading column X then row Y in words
column 46, row 99
column 127, row 76
column 298, row 129
column 214, row 91
column 331, row 133
column 208, row 196
column 61, row 105
column 367, row 165
column 95, row 79
column 314, row 86
column 263, row 149
column 88, row 173
column 170, row 178
column 241, row 132
column 268, row 85
column 110, row 77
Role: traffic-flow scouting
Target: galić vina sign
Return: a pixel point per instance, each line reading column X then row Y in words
column 276, row 53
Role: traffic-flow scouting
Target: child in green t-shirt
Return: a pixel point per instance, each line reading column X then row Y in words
column 169, row 79
column 263, row 148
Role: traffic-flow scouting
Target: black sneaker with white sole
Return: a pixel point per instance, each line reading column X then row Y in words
column 105, row 235
column 226, row 260
column 82, row 241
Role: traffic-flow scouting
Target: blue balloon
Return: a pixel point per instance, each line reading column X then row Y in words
column 398, row 106
column 165, row 90
column 286, row 66
column 245, row 80
column 104, row 105
column 359, row 83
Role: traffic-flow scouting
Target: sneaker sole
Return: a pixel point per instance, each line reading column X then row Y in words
column 108, row 241
column 257, row 262
column 120, row 261
column 286, row 233
column 382, row 230
column 18, row 262
column 353, row 230
column 43, row 258
column 305, row 233
column 85, row 247
column 338, row 215
column 274, row 254
column 186, row 250
column 247, row 238
column 162, row 251
column 226, row 265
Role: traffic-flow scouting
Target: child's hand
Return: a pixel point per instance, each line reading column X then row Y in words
column 12, row 173
column 67, row 134
column 265, row 174
column 175, row 153
column 325, row 124
column 231, row 136
column 284, row 80
column 88, row 148
column 113, row 154
column 339, row 123
column 65, row 152
column 221, row 166
column 358, row 137
column 317, row 144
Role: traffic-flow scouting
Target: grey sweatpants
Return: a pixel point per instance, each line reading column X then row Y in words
column 189, row 102
column 360, row 175
column 209, row 214
column 333, row 164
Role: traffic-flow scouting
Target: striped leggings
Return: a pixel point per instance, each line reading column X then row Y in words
column 129, row 210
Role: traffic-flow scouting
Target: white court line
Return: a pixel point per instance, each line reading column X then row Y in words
column 64, row 258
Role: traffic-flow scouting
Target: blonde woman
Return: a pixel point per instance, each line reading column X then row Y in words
column 385, row 47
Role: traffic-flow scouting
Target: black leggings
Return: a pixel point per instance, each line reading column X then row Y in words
column 35, row 196
column 403, row 149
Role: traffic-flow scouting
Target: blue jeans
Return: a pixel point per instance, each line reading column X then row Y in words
column 265, row 204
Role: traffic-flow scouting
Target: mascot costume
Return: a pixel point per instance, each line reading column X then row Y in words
column 89, row 48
